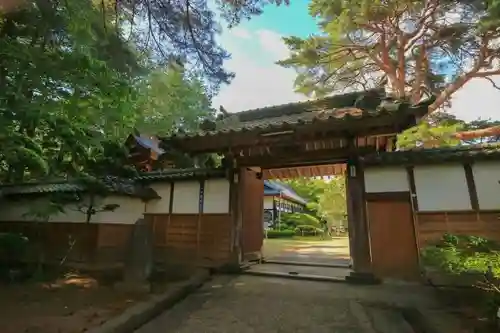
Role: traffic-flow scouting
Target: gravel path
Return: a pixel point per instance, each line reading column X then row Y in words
column 249, row 304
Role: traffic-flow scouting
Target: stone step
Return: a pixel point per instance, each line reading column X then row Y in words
column 296, row 276
column 303, row 263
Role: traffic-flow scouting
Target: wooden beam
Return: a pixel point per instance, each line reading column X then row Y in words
column 250, row 138
column 201, row 199
column 301, row 158
column 471, row 185
column 413, row 188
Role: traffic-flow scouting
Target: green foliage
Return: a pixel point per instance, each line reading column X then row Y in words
column 332, row 205
column 429, row 136
column 292, row 220
column 327, row 198
column 438, row 129
column 308, row 230
column 280, row 233
column 72, row 89
column 308, row 188
column 172, row 101
column 464, row 254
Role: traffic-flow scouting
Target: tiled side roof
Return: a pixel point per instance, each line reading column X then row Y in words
column 434, row 155
column 148, row 144
column 178, row 174
column 113, row 185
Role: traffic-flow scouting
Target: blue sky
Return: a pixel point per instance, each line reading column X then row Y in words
column 255, row 45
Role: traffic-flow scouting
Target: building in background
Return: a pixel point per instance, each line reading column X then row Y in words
column 280, row 198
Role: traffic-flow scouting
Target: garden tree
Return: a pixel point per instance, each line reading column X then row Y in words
column 332, row 205
column 413, row 48
column 172, row 100
column 65, row 94
column 327, row 198
column 72, row 74
column 307, row 188
column 56, row 79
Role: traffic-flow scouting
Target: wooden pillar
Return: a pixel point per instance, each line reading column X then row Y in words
column 359, row 238
column 235, row 190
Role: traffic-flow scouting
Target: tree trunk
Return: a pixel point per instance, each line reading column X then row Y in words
column 476, row 134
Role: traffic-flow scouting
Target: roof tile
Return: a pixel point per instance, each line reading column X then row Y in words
column 344, row 107
column 178, row 174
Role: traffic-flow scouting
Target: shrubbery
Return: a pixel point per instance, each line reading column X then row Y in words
column 308, row 230
column 293, row 220
column 475, row 261
column 464, row 254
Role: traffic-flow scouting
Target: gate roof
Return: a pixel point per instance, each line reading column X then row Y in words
column 319, row 131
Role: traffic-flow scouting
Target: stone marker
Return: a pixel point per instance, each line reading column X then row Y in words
column 139, row 259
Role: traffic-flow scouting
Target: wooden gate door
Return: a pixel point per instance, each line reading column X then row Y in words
column 252, row 214
column 392, row 238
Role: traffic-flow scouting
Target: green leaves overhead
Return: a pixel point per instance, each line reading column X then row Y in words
column 71, row 91
column 172, row 101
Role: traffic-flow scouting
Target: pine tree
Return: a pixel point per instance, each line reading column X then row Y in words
column 414, row 48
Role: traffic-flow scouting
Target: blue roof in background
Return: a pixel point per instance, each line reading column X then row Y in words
column 148, row 144
column 275, row 188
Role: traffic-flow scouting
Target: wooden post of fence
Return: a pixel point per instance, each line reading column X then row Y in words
column 200, row 213
column 170, row 211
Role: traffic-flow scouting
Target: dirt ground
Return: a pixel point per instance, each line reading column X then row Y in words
column 69, row 305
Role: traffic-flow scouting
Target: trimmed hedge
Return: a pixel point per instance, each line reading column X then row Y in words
column 293, row 220
column 280, row 233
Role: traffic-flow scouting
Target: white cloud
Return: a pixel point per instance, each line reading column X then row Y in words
column 259, row 82
column 241, row 33
column 477, row 99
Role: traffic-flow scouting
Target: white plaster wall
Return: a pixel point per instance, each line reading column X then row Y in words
column 160, row 206
column 486, row 177
column 386, row 179
column 442, row 188
column 186, row 197
column 22, row 210
column 268, row 202
column 216, row 197
column 128, row 212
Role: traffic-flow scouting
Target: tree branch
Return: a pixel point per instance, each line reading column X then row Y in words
column 466, row 77
column 492, row 83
